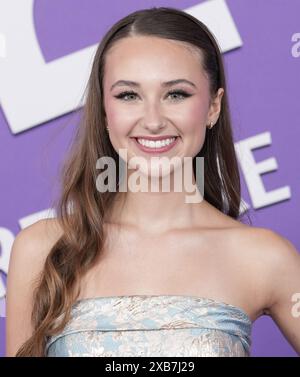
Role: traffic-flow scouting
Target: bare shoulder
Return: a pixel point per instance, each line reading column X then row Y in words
column 268, row 254
column 275, row 266
column 32, row 244
column 36, row 240
column 29, row 251
column 266, row 244
column 45, row 230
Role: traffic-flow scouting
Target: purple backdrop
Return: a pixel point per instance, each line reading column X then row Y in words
column 263, row 82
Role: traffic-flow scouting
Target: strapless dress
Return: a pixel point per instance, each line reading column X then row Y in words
column 152, row 325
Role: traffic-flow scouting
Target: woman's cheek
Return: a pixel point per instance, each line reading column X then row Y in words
column 193, row 121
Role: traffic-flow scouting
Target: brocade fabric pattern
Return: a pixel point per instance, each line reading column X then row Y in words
column 153, row 325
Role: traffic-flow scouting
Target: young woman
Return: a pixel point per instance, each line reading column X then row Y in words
column 146, row 273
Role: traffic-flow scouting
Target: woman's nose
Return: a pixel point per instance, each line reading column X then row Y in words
column 153, row 119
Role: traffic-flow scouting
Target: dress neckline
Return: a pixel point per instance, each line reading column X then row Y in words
column 205, row 299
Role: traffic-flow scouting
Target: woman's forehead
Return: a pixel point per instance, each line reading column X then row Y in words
column 152, row 59
column 144, row 46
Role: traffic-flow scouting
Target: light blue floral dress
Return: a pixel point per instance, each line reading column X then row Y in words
column 153, row 325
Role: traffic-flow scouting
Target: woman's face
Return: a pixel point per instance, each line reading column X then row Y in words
column 148, row 106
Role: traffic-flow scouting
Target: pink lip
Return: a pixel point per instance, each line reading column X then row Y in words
column 155, row 150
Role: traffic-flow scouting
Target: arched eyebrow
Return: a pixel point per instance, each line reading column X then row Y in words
column 164, row 84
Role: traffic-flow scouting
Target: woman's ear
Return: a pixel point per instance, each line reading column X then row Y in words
column 215, row 107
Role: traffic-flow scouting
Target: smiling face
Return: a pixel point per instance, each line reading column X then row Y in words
column 166, row 94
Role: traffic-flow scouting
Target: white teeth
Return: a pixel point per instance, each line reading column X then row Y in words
column 155, row 144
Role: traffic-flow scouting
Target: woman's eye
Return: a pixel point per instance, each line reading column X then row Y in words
column 180, row 94
column 125, row 94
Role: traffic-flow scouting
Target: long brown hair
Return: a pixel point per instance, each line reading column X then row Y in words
column 83, row 236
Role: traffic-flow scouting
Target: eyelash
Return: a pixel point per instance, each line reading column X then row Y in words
column 179, row 92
